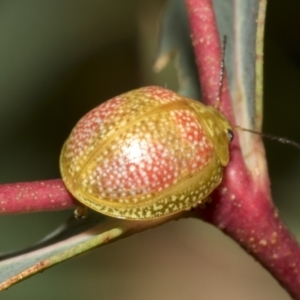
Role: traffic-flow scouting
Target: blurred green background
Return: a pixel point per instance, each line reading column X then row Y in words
column 59, row 59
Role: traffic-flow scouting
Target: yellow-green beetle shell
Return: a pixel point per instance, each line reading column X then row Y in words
column 145, row 154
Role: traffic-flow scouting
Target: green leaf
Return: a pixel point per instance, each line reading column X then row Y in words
column 175, row 40
column 72, row 238
column 243, row 24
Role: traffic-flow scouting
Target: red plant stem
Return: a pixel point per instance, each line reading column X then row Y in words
column 242, row 208
column 242, row 205
column 207, row 48
column 35, row 196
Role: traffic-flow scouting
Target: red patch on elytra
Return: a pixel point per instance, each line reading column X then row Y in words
column 151, row 170
column 90, row 124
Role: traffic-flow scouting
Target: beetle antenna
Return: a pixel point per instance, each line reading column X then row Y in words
column 218, row 101
column 222, row 71
column 272, row 137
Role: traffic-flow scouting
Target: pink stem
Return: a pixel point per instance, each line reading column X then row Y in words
column 242, row 205
column 243, row 209
column 35, row 196
column 207, row 48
